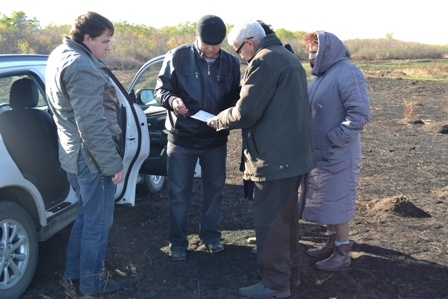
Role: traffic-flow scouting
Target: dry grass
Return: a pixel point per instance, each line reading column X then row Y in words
column 427, row 72
column 410, row 69
column 409, row 108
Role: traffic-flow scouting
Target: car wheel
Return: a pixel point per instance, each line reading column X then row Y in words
column 151, row 184
column 18, row 250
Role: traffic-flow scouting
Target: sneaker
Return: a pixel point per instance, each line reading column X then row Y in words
column 215, row 247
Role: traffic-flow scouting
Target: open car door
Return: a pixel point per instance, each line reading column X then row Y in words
column 143, row 87
column 134, row 141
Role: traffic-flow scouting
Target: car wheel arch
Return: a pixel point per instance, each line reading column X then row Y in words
column 24, row 199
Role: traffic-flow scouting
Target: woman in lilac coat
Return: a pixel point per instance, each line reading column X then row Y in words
column 340, row 107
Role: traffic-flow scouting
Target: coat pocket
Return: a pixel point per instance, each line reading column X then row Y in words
column 336, row 159
column 251, row 145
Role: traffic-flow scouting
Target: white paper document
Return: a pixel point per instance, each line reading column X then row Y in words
column 203, row 116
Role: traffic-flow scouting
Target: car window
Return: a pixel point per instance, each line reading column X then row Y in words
column 145, row 82
column 148, row 78
column 5, row 87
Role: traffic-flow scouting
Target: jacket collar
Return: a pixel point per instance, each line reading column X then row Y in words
column 201, row 54
column 82, row 48
column 268, row 41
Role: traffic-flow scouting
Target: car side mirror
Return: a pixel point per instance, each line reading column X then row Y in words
column 145, row 96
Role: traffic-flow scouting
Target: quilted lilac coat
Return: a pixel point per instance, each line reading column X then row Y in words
column 340, row 107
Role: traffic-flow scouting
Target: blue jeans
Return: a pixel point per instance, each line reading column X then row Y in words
column 86, row 250
column 181, row 165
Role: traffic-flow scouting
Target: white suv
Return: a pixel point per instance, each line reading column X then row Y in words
column 36, row 200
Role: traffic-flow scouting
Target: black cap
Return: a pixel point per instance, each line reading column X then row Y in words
column 211, row 29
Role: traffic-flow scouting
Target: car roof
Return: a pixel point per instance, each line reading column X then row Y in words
column 23, row 57
column 11, row 60
column 11, row 64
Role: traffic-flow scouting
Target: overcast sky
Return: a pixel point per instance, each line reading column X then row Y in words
column 348, row 19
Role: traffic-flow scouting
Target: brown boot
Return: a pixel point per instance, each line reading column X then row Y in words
column 324, row 251
column 338, row 260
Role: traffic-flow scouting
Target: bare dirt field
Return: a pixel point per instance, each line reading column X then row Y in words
column 400, row 229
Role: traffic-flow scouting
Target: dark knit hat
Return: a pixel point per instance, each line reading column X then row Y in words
column 211, row 29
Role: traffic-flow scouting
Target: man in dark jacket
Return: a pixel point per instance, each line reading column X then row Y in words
column 197, row 78
column 274, row 116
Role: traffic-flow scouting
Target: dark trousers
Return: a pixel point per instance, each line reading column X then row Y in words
column 275, row 209
column 248, row 189
column 181, row 165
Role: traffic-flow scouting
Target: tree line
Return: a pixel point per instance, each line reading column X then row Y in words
column 133, row 44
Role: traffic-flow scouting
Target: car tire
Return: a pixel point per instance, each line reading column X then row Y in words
column 151, row 184
column 18, row 250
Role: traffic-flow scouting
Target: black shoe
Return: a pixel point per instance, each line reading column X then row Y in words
column 110, row 287
column 215, row 247
column 178, row 255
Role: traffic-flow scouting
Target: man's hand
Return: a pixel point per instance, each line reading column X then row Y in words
column 213, row 122
column 118, row 177
column 179, row 107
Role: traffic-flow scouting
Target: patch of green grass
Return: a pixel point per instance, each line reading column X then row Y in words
column 411, row 69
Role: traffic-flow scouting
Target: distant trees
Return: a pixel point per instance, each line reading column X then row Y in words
column 133, row 44
column 18, row 34
column 389, row 35
column 294, row 38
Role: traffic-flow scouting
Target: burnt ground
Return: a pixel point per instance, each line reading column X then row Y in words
column 400, row 231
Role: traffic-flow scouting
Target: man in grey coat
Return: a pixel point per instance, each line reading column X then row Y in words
column 340, row 107
column 274, row 116
column 84, row 103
